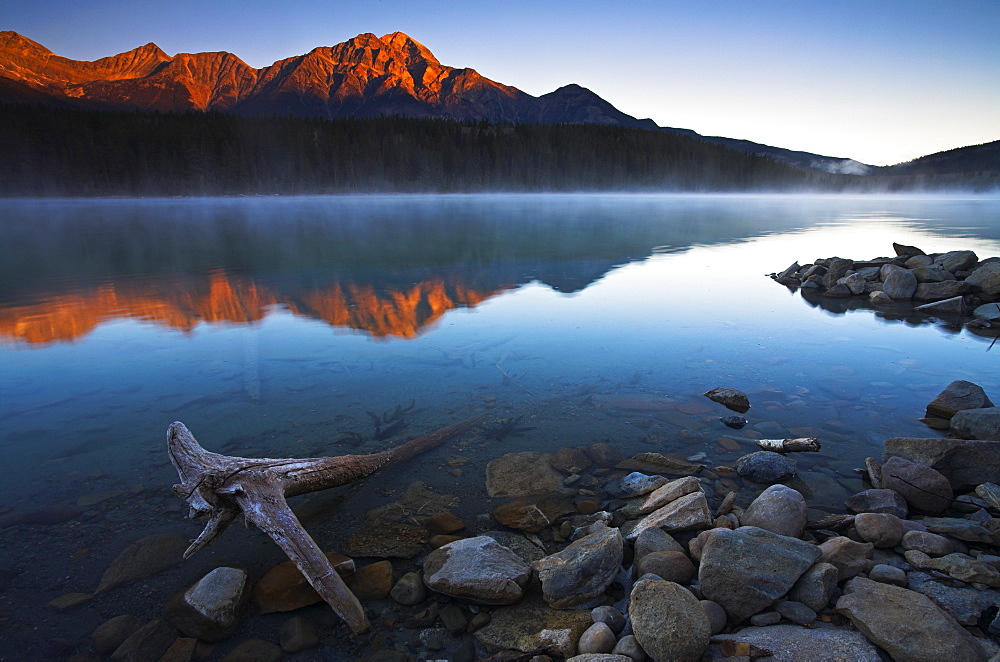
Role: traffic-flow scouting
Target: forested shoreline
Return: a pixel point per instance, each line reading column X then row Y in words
column 68, row 152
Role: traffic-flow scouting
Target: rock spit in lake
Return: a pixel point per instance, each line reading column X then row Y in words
column 209, row 609
column 583, row 570
column 730, row 398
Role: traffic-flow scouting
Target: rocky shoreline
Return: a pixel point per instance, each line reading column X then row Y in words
column 956, row 284
column 593, row 556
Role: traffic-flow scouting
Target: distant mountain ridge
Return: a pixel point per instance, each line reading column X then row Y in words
column 366, row 76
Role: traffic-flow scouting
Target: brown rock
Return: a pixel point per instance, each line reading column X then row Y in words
column 70, row 601
column 182, row 650
column 532, row 514
column 440, row 540
column 284, row 588
column 849, row 557
column 520, row 474
column 109, row 635
column 144, row 558
column 603, row 454
column 880, row 529
column 373, row 581
column 149, row 642
column 445, row 523
column 569, row 460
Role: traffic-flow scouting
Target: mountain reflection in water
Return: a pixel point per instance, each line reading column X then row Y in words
column 388, row 267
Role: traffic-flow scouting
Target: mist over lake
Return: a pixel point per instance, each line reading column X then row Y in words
column 298, row 327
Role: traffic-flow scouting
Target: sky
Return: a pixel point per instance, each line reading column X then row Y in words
column 879, row 81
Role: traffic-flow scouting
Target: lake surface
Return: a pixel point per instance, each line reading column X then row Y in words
column 279, row 327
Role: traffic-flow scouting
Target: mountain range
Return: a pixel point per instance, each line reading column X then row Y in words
column 366, row 76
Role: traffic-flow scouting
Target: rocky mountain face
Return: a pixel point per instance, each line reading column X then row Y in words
column 365, row 76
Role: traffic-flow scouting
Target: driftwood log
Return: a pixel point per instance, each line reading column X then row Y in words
column 802, row 444
column 220, row 487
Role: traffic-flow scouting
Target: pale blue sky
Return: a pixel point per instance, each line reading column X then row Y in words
column 881, row 81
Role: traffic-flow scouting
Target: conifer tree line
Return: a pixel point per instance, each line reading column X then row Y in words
column 51, row 151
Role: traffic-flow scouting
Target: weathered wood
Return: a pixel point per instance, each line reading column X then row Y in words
column 802, row 444
column 220, row 487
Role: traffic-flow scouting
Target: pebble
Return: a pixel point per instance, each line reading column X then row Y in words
column 796, row 612
column 610, row 616
column 887, row 574
column 765, row 618
column 598, row 638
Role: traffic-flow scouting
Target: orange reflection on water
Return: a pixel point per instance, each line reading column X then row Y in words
column 182, row 302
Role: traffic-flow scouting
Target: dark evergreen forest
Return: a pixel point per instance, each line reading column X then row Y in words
column 49, row 151
column 57, row 151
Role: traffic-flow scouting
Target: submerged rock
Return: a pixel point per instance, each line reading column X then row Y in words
column 143, row 558
column 520, row 474
column 730, row 398
column 478, row 569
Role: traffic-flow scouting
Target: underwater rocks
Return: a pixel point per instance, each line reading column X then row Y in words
column 623, row 562
column 947, row 284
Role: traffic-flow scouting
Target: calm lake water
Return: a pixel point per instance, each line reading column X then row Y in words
column 277, row 327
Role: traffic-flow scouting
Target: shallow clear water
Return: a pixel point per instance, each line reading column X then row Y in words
column 271, row 327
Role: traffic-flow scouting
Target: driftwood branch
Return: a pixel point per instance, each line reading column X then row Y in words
column 220, row 487
column 802, row 444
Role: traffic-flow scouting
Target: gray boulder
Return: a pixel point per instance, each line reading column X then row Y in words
column 877, row 501
column 957, row 396
column 837, row 269
column 957, row 260
column 210, row 609
column 988, row 311
column 977, row 423
column 932, row 274
column 907, row 624
column 779, row 509
column 965, row 604
column 900, row 284
column 792, row 643
column 924, row 488
column 986, row 279
column 943, row 290
column 965, row 463
column 765, row 467
column 668, row 622
column 583, row 570
column 749, row 569
column 478, row 569
column 816, row 586
column 691, row 511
